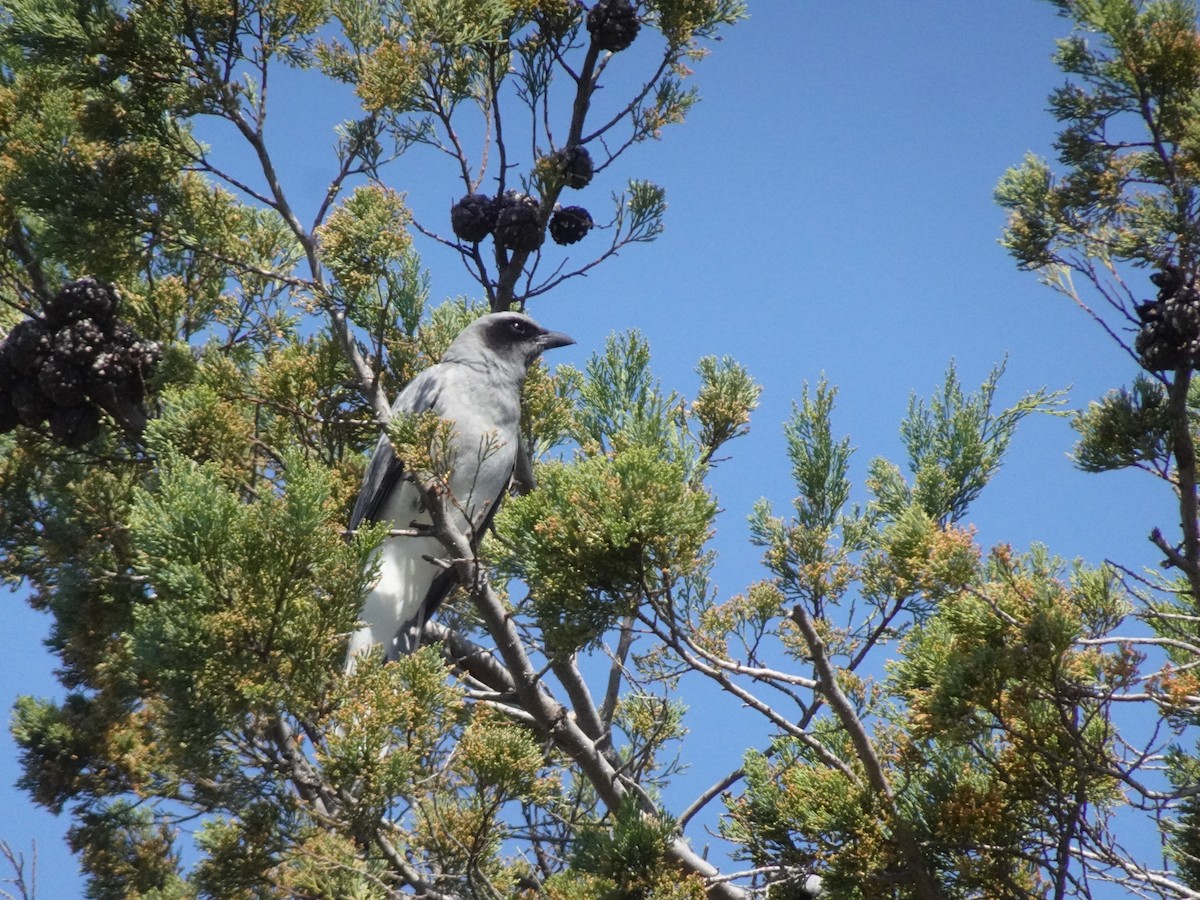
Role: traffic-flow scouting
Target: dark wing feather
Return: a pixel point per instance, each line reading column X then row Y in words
column 486, row 522
column 409, row 637
column 385, row 469
column 383, row 472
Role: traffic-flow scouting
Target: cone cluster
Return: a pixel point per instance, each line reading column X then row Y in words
column 77, row 360
column 513, row 219
column 613, row 24
column 517, row 223
column 575, row 166
column 1170, row 333
column 570, row 224
column 473, row 217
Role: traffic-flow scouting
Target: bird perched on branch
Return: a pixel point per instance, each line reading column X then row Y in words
column 477, row 389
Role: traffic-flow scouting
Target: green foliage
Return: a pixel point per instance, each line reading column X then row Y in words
column 424, row 441
column 915, row 558
column 1126, row 428
column 1028, row 191
column 597, row 533
column 682, row 21
column 993, row 728
column 244, row 595
column 126, row 854
column 1124, row 194
column 645, row 204
column 627, row 858
column 499, row 759
column 548, row 408
column 955, row 445
column 628, row 517
column 198, row 424
column 240, row 853
column 724, row 402
column 785, row 797
column 57, row 741
column 621, row 404
column 1003, row 667
column 387, row 732
column 804, row 554
column 1131, row 65
column 91, row 157
column 993, row 731
column 819, row 463
column 364, row 240
column 960, row 670
column 1184, row 831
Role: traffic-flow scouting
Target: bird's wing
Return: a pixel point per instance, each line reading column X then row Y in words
column 385, row 468
column 408, row 636
column 410, row 588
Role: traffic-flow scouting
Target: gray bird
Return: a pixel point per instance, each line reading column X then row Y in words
column 476, row 386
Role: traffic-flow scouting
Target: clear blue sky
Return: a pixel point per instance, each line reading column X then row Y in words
column 830, row 212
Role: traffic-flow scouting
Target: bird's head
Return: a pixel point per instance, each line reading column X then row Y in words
column 510, row 337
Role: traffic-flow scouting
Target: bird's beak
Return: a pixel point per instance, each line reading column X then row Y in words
column 552, row 339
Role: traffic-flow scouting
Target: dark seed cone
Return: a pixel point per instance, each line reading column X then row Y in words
column 126, row 357
column 79, row 359
column 74, row 426
column 119, row 376
column 1168, row 281
column 64, row 382
column 613, row 24
column 554, row 21
column 27, row 345
column 1170, row 332
column 473, row 217
column 575, row 165
column 122, row 401
column 78, row 343
column 32, row 405
column 83, row 299
column 570, row 224
column 517, row 225
column 8, row 413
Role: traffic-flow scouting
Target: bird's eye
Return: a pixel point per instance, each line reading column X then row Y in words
column 517, row 327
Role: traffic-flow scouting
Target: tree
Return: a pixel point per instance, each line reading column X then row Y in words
column 937, row 720
column 1128, row 200
column 202, row 585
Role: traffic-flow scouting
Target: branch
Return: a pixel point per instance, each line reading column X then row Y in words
column 608, row 706
column 569, row 676
column 558, row 722
column 367, row 384
column 401, row 865
column 668, row 59
column 473, row 659
column 17, row 243
column 1140, row 873
column 27, row 887
column 1183, row 448
column 716, row 673
column 300, row 771
column 828, row 685
column 709, row 795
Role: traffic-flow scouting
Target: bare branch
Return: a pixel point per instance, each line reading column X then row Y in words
column 828, row 685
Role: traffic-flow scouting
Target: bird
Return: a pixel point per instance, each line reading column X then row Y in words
column 477, row 388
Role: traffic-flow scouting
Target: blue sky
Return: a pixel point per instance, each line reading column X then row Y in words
column 830, row 211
